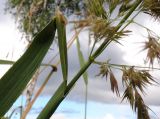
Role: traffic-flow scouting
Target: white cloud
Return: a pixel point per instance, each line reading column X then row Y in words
column 111, row 116
column 59, row 116
column 54, row 116
column 11, row 44
column 108, row 116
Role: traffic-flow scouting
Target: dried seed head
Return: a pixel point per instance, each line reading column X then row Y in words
column 152, row 8
column 138, row 79
column 153, row 47
column 135, row 80
column 104, row 70
column 136, row 102
column 129, row 95
column 140, row 107
column 114, row 84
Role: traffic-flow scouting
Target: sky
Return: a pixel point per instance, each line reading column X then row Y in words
column 102, row 103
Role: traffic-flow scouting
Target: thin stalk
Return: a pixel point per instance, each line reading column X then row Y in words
column 128, row 14
column 9, row 62
column 139, row 67
column 94, row 44
column 86, row 101
column 124, row 65
column 143, row 27
column 58, row 97
column 28, row 107
column 131, row 20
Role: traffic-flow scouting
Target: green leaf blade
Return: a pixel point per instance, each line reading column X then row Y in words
column 62, row 42
column 15, row 80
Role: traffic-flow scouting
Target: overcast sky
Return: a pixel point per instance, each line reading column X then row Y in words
column 102, row 102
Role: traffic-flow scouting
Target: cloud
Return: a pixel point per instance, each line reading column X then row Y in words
column 59, row 116
column 109, row 116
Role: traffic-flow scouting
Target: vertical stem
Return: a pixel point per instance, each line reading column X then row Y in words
column 86, row 101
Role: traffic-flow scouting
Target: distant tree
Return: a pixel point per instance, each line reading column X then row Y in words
column 33, row 15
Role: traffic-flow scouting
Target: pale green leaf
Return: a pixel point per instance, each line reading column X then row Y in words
column 82, row 61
